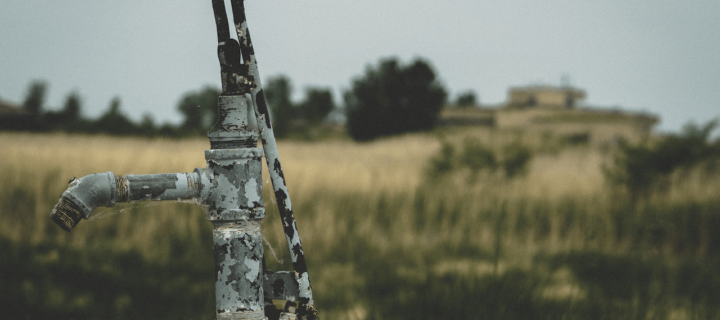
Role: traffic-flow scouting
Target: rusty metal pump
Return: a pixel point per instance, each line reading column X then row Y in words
column 230, row 188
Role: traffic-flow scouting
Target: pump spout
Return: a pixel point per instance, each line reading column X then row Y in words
column 82, row 197
column 105, row 189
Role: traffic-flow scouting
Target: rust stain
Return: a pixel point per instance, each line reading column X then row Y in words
column 123, row 188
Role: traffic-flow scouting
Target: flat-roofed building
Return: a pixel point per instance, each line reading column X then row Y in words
column 544, row 97
column 7, row 107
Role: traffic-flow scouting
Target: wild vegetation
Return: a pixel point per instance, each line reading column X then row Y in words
column 198, row 109
column 397, row 228
column 390, row 99
column 393, row 98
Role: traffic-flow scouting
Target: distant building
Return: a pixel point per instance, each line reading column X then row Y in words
column 544, row 97
column 469, row 116
column 10, row 108
column 556, row 110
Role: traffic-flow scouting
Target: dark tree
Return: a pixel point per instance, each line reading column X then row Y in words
column 71, row 109
column 147, row 126
column 392, row 99
column 317, row 105
column 68, row 118
column 466, row 99
column 641, row 167
column 199, row 109
column 33, row 107
column 516, row 158
column 277, row 94
column 113, row 121
column 35, row 98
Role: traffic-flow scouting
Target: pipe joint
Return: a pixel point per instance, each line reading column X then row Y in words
column 82, row 197
column 231, row 186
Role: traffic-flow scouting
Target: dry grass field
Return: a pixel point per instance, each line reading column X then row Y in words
column 383, row 240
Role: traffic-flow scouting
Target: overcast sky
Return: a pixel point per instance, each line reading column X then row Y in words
column 657, row 56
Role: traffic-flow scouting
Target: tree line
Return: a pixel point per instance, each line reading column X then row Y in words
column 390, row 98
column 35, row 118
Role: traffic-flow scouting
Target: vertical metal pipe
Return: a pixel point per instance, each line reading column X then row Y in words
column 238, row 272
column 232, row 191
column 306, row 308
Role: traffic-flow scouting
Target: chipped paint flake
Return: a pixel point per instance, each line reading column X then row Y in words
column 254, row 266
column 251, row 193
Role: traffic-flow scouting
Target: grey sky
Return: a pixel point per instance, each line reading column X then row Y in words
column 654, row 55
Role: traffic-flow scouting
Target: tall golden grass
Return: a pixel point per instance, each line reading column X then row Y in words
column 354, row 199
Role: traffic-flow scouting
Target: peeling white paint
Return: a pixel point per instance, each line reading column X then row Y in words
column 254, row 266
column 251, row 193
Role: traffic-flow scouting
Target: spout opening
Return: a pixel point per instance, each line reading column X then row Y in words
column 66, row 214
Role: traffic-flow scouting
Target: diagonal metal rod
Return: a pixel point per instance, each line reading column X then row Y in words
column 306, row 309
column 221, row 22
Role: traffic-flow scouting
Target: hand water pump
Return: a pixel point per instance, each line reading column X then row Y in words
column 230, row 188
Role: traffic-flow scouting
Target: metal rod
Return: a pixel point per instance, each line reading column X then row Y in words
column 272, row 157
column 232, row 73
column 223, row 28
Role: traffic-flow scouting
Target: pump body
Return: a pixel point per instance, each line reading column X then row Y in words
column 229, row 188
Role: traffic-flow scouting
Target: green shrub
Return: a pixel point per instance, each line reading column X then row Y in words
column 442, row 163
column 640, row 167
column 515, row 161
column 477, row 157
column 576, row 139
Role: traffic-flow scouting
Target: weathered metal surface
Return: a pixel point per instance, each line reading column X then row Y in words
column 238, row 255
column 234, row 75
column 288, row 311
column 232, row 113
column 306, row 309
column 232, row 154
column 156, row 187
column 249, row 315
column 287, row 316
column 221, row 22
column 280, row 285
column 231, row 189
column 123, row 188
column 232, row 183
column 66, row 214
column 82, row 197
column 231, row 71
column 105, row 189
column 233, row 139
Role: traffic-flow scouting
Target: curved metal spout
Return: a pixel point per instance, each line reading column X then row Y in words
column 105, row 189
column 82, row 197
